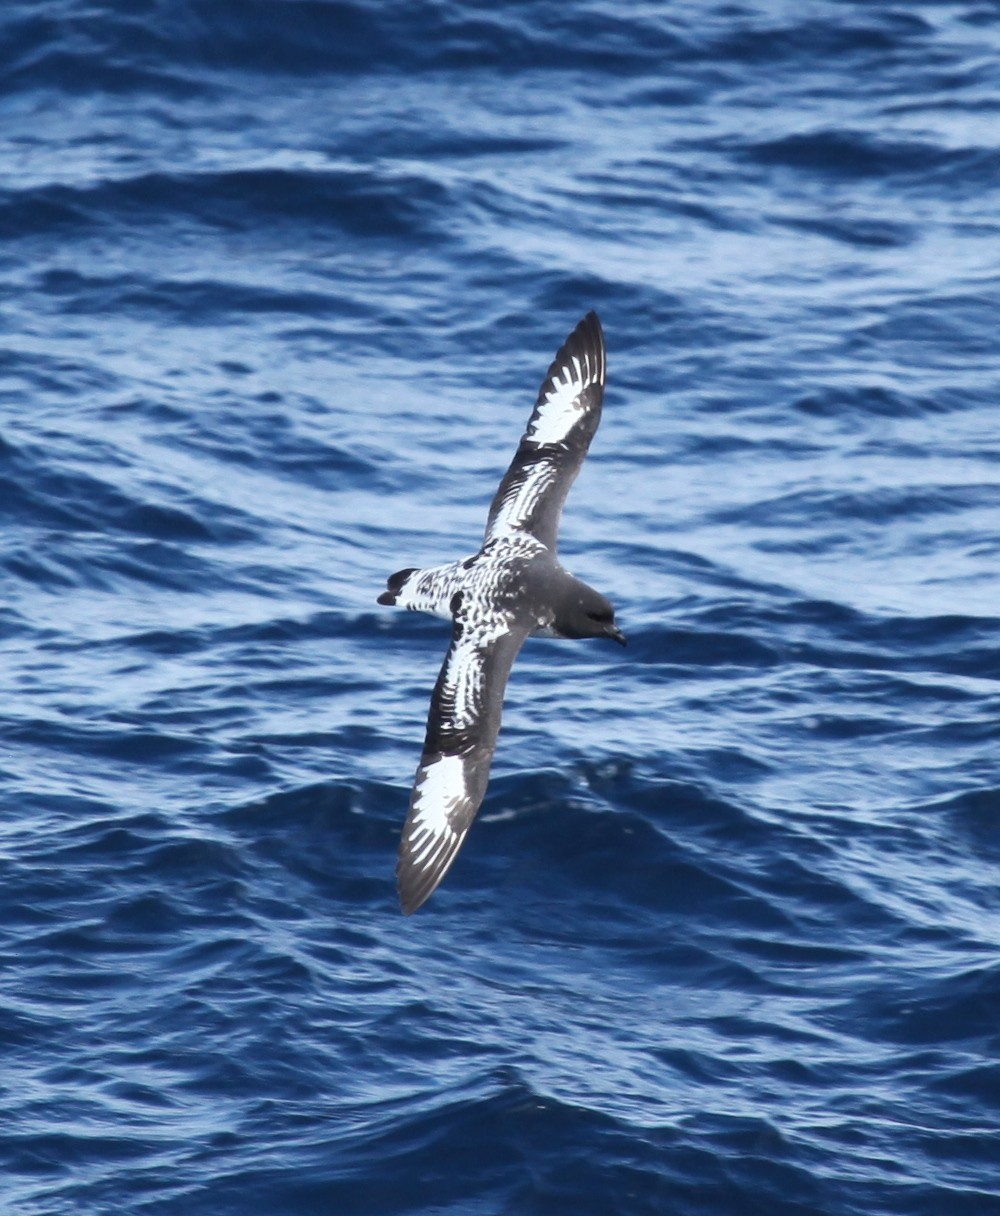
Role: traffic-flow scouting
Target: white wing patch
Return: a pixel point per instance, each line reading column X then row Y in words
column 436, row 827
column 560, row 407
column 440, row 790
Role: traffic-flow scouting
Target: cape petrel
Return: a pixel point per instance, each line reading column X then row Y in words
column 512, row 588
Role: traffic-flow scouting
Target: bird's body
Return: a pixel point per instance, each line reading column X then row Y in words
column 496, row 598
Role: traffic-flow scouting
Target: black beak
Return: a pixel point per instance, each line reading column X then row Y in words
column 614, row 632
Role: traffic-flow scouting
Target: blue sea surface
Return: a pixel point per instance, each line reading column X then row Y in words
column 280, row 282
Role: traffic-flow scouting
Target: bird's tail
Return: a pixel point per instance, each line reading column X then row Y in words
column 395, row 584
column 429, row 590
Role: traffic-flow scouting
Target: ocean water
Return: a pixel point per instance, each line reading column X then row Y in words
column 280, row 281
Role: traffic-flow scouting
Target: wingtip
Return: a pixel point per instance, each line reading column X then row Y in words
column 423, row 860
column 588, row 337
column 585, row 343
column 589, row 330
column 409, row 906
column 414, row 888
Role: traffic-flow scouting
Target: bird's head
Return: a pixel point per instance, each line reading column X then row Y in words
column 588, row 614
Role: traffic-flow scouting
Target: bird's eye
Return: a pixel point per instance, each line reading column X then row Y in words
column 601, row 617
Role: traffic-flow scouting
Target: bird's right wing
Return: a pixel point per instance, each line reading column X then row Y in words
column 462, row 729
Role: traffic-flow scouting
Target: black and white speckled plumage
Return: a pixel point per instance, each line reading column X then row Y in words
column 513, row 587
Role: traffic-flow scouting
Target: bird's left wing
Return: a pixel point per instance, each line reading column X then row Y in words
column 454, row 769
column 531, row 494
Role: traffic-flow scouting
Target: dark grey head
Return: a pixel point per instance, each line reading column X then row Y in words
column 585, row 613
